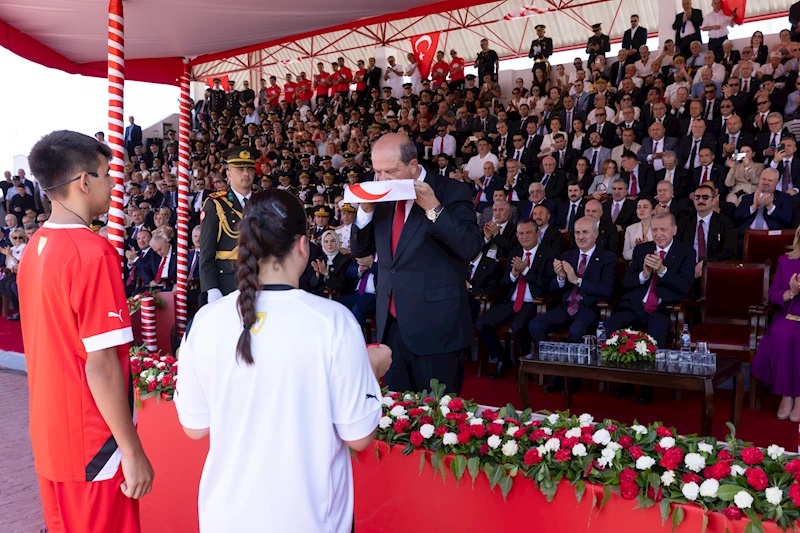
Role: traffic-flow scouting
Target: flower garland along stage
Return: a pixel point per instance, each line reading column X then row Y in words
column 154, row 375
column 646, row 463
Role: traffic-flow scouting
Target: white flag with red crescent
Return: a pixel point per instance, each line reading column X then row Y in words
column 380, row 191
column 524, row 11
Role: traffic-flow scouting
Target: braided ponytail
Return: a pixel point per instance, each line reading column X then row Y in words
column 250, row 251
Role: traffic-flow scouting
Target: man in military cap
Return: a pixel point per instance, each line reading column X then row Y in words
column 233, row 98
column 470, row 87
column 347, row 213
column 329, row 190
column 222, row 213
column 305, row 191
column 387, row 97
column 541, row 49
column 349, row 164
column 321, row 218
column 217, row 98
column 598, row 44
column 285, row 183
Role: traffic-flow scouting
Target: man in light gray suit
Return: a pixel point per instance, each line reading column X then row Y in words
column 596, row 153
column 654, row 146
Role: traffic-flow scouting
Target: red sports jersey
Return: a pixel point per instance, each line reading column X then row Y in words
column 345, row 75
column 72, row 302
column 455, row 76
column 304, row 90
column 273, row 94
column 322, row 80
column 288, row 91
column 361, row 85
column 439, row 73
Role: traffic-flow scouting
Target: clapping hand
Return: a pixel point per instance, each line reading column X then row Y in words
column 654, row 263
column 794, row 285
column 558, row 266
column 490, row 229
column 570, row 272
column 768, row 200
column 517, row 266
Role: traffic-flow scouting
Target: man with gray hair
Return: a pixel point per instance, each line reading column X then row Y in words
column 766, row 208
column 661, row 272
column 167, row 270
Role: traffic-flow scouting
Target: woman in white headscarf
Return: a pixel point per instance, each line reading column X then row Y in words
column 331, row 268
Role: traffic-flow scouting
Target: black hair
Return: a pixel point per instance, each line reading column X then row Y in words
column 57, row 156
column 272, row 223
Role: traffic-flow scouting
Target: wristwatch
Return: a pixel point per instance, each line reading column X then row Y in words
column 434, row 212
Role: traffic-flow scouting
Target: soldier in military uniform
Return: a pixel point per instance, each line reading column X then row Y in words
column 598, row 44
column 285, row 183
column 541, row 49
column 321, row 218
column 305, row 191
column 222, row 213
column 217, row 98
column 233, row 99
column 329, row 190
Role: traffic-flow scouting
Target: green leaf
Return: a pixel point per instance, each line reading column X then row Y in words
column 495, row 476
column 457, row 467
column 421, row 462
column 474, row 466
column 754, row 520
column 644, row 503
column 705, row 523
column 606, row 496
column 505, row 485
column 580, row 488
column 443, row 471
column 748, row 528
column 377, row 451
column 436, row 462
column 665, row 509
column 732, row 428
column 655, row 480
column 677, row 517
column 594, row 500
column 726, row 493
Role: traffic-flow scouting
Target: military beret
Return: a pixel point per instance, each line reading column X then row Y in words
column 305, row 158
column 601, row 79
column 352, row 173
column 304, row 175
column 284, row 177
column 387, row 89
column 325, row 158
column 348, row 156
column 290, row 130
column 426, row 82
column 328, row 174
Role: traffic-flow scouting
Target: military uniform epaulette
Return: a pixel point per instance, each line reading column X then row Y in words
column 218, row 194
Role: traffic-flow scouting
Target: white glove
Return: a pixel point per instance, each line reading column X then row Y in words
column 214, row 295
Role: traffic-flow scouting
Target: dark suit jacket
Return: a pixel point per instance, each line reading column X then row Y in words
column 719, row 236
column 556, row 188
column 145, row 267
column 336, row 274
column 504, row 241
column 539, row 275
column 530, row 162
column 634, row 41
column 135, row 136
column 697, row 20
column 577, row 114
column 521, row 187
column 496, row 182
column 527, row 209
column 563, row 211
column 552, row 237
column 645, row 179
column 722, row 138
column 672, row 287
column 671, row 125
column 716, row 175
column 426, row 273
column 373, row 78
column 571, row 156
column 598, row 278
column 685, row 147
column 608, row 134
column 487, row 276
column 171, row 276
column 795, row 172
column 781, row 217
column 607, row 238
column 627, row 213
column 667, row 143
column 491, row 124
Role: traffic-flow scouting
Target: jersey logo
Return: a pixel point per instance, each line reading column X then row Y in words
column 42, row 242
column 260, row 319
column 112, row 314
column 372, row 396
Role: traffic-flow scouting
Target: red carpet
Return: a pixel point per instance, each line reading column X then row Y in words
column 758, row 426
column 11, row 336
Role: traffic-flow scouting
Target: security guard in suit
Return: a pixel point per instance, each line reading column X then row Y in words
column 598, row 44
column 220, row 219
column 541, row 49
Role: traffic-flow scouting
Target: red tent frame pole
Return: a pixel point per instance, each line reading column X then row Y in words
column 183, row 202
column 116, row 123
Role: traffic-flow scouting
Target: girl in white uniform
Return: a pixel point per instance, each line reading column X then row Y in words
column 282, row 402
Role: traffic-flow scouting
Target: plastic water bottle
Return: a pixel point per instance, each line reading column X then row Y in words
column 686, row 339
column 600, row 334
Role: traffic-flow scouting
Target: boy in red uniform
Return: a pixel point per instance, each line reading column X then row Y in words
column 304, row 91
column 345, row 77
column 439, row 71
column 273, row 92
column 289, row 89
column 90, row 463
column 361, row 83
column 456, row 71
column 321, row 81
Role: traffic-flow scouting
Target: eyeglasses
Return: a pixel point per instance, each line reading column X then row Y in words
column 733, row 84
column 599, row 114
column 763, row 103
column 705, row 197
column 17, row 238
column 725, row 106
column 710, row 92
column 518, row 140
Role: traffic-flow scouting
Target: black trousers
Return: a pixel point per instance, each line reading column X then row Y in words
column 579, row 324
column 715, row 45
column 410, row 371
column 499, row 314
column 656, row 324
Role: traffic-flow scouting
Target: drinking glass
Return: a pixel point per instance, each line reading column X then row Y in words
column 702, row 347
column 563, row 352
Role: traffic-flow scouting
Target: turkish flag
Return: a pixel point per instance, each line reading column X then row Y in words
column 424, row 48
column 223, row 79
column 728, row 6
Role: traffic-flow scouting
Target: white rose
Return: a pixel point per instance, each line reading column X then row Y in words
column 775, row 452
column 387, row 401
column 552, row 445
column 151, row 378
column 694, row 462
column 493, row 441
column 397, row 411
column 445, row 400
column 709, row 488
column 408, row 397
column 541, row 450
column 450, row 438
column 737, row 470
column 668, row 478
column 774, row 495
column 606, row 457
column 573, row 433
column 667, row 443
column 143, row 375
column 161, row 375
column 602, row 437
column 644, row 462
column 586, row 420
column 614, row 446
column 553, row 418
column 510, row 448
column 547, row 431
column 385, row 422
column 690, row 491
column 705, row 447
column 743, row 500
column 426, row 431
column 579, row 450
column 445, row 410
column 639, row 430
column 475, row 421
column 511, row 430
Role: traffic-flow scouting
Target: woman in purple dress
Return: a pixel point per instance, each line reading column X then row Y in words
column 777, row 362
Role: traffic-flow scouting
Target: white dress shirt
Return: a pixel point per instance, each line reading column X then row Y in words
column 492, row 251
column 444, row 145
column 643, row 279
column 786, row 162
column 717, row 18
column 241, row 197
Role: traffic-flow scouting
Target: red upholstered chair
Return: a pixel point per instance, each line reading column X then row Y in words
column 733, row 309
column 761, row 246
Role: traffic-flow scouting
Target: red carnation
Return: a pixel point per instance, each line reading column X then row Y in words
column 456, row 404
column 458, row 417
column 562, row 455
column 732, row 513
column 394, row 395
column 611, row 428
column 535, row 423
column 587, row 429
column 627, row 476
column 152, row 386
column 560, row 433
column 136, row 381
column 491, row 416
column 463, row 428
column 513, row 421
column 586, row 438
column 794, row 493
column 635, row 452
column 416, row 438
column 147, row 364
column 537, row 434
column 652, row 349
column 793, row 467
column 663, row 431
column 752, row 456
column 691, row 477
column 518, row 434
column 532, row 457
column 672, row 458
column 426, row 420
column 720, row 471
column 625, row 441
column 166, row 380
column 464, row 437
column 659, row 449
column 629, row 490
column 656, row 497
column 484, row 449
column 478, row 430
column 569, row 442
column 416, row 411
column 170, row 360
column 495, row 429
column 440, row 431
column 401, row 426
column 623, row 350
column 631, row 344
column 429, row 400
column 395, row 404
column 757, row 478
column 724, row 455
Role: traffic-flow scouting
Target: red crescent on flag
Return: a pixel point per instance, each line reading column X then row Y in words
column 364, row 195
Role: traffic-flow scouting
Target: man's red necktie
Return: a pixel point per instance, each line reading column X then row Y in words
column 397, row 230
column 634, row 190
column 705, row 175
column 522, row 285
column 574, row 298
column 652, row 298
column 161, row 268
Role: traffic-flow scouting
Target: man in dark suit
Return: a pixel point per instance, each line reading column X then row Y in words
column 767, row 208
column 570, row 113
column 604, row 128
column 554, row 181
column 373, row 75
column 634, row 38
column 584, row 276
column 527, row 276
column 674, row 175
column 485, row 190
column 141, row 263
column 424, row 248
column 731, row 138
column 689, row 146
column 564, row 155
column 661, row 272
column 607, row 233
column 687, row 27
column 133, row 136
column 709, row 171
column 617, row 72
column 137, row 224
column 640, row 178
column 516, row 185
column 770, row 137
column 484, row 122
column 499, row 233
column 362, row 299
column 654, row 146
column 710, row 234
column 619, row 209
column 483, row 277
column 549, row 234
column 166, row 273
column 536, row 197
column 532, row 147
column 670, row 123
column 788, row 167
column 695, row 113
column 572, row 210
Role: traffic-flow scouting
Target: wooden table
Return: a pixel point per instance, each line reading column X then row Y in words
column 644, row 373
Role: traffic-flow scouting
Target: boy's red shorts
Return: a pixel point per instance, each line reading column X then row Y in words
column 88, row 507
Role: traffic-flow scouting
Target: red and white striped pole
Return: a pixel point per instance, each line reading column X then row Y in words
column 149, row 323
column 183, row 202
column 116, row 123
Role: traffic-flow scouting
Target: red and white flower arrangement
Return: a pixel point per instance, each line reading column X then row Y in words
column 629, row 346
column 651, row 464
column 154, row 375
